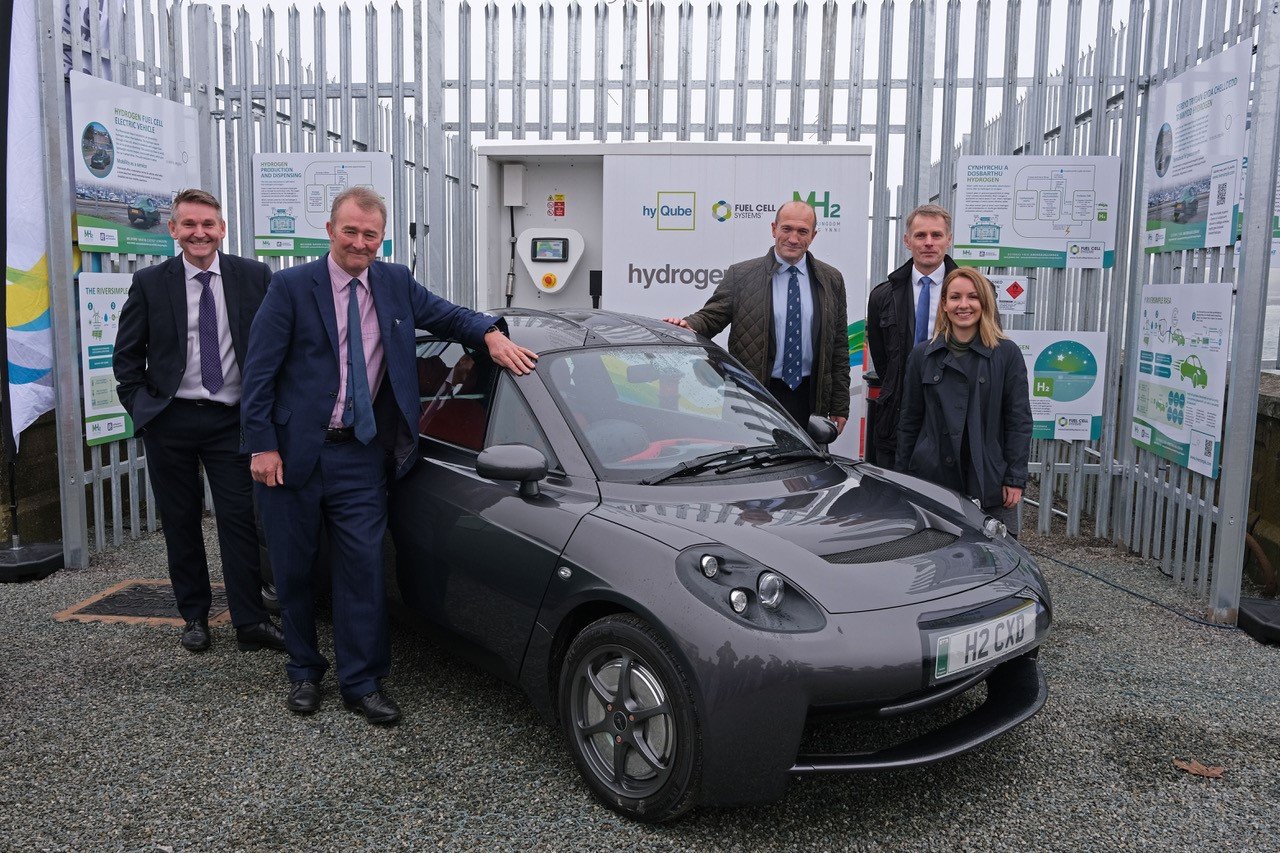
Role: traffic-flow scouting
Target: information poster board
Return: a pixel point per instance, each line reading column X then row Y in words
column 132, row 153
column 1065, row 372
column 293, row 193
column 1193, row 154
column 1182, row 373
column 1037, row 211
column 102, row 295
column 676, row 222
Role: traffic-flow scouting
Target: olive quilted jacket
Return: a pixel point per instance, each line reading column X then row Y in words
column 743, row 300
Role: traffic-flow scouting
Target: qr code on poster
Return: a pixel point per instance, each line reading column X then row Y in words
column 1201, row 448
column 1222, row 195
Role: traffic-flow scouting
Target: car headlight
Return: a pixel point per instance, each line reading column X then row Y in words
column 709, row 565
column 994, row 529
column 770, row 588
column 746, row 591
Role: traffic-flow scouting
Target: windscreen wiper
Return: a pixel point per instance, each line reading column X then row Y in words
column 773, row 454
column 699, row 463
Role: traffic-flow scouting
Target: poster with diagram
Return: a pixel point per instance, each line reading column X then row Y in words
column 1037, row 211
column 102, row 295
column 1064, row 374
column 1182, row 373
column 293, row 193
column 1194, row 153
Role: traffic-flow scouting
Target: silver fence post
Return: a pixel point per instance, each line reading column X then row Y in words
column 1251, row 302
column 62, row 293
column 434, row 86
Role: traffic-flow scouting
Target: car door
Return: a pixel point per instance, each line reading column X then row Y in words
column 473, row 556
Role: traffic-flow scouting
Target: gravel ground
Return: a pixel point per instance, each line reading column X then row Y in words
column 114, row 738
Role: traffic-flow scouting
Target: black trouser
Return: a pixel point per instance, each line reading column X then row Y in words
column 797, row 402
column 184, row 436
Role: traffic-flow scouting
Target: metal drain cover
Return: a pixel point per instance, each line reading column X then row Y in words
column 144, row 601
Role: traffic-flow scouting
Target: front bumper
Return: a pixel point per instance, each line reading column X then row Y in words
column 1016, row 690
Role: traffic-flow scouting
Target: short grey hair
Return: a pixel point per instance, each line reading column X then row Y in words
column 930, row 210
column 365, row 198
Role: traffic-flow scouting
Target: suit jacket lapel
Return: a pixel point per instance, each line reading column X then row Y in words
column 907, row 309
column 382, row 298
column 231, row 293
column 175, row 287
column 323, row 291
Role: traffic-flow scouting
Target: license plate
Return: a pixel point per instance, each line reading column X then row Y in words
column 985, row 642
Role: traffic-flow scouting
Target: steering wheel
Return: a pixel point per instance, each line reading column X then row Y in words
column 666, row 447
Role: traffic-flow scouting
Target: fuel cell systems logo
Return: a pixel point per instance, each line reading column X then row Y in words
column 722, row 211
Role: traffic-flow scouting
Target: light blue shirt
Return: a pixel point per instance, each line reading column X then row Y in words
column 780, row 279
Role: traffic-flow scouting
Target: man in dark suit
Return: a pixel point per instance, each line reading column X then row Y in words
column 179, row 357
column 331, row 409
column 788, row 319
column 901, row 312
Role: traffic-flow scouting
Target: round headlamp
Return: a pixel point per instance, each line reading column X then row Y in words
column 709, row 565
column 770, row 589
column 994, row 529
column 738, row 600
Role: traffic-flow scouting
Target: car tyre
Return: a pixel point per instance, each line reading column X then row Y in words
column 628, row 712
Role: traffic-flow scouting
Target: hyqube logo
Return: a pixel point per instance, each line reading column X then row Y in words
column 674, row 211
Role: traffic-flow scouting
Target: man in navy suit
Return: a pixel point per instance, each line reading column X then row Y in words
column 179, row 353
column 330, row 410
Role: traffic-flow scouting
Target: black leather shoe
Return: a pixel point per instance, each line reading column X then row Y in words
column 377, row 708
column 250, row 638
column 304, row 697
column 195, row 635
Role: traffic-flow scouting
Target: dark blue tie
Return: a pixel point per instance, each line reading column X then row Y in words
column 922, row 310
column 359, row 410
column 791, row 348
column 210, row 347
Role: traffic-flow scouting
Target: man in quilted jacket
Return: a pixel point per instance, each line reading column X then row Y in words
column 788, row 320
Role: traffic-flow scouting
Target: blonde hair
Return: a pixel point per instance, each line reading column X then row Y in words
column 989, row 331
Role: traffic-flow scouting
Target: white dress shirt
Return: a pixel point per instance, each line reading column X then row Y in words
column 935, row 294
column 192, row 386
column 781, row 279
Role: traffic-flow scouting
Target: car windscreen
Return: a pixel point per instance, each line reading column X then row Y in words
column 638, row 411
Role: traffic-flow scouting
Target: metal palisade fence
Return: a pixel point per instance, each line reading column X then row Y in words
column 425, row 83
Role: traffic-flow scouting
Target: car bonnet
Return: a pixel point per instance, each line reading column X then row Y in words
column 854, row 543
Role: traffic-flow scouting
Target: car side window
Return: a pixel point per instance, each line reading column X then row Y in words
column 455, row 387
column 513, row 423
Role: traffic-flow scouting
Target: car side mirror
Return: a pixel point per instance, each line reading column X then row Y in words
column 518, row 462
column 821, row 430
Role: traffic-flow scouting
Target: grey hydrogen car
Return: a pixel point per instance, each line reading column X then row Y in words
column 681, row 578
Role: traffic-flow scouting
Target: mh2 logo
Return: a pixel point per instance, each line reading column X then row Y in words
column 828, row 209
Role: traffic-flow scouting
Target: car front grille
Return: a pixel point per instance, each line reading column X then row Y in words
column 921, row 542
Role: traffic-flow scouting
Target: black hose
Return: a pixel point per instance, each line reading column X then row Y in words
column 1196, row 619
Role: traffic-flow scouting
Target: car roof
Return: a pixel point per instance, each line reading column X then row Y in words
column 572, row 328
